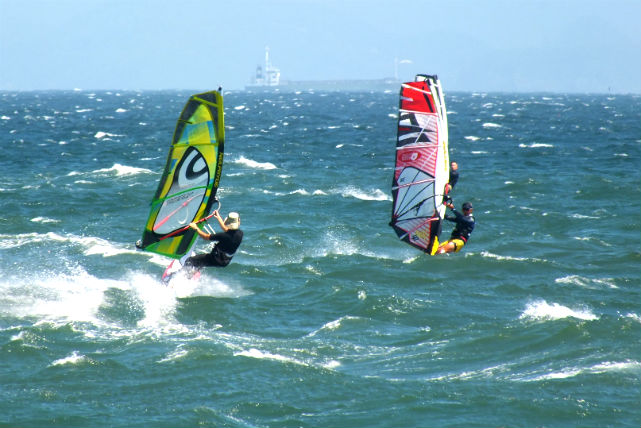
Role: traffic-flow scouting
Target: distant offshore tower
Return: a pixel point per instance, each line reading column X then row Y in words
column 267, row 77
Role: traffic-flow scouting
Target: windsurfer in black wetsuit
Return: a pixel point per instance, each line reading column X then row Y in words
column 451, row 183
column 464, row 226
column 228, row 242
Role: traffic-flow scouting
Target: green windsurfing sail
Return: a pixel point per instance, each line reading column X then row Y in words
column 187, row 190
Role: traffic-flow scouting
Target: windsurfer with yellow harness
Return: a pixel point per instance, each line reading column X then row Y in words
column 464, row 226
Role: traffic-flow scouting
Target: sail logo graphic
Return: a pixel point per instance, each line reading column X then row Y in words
column 192, row 170
column 410, row 157
column 420, row 235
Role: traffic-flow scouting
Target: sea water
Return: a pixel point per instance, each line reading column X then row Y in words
column 324, row 318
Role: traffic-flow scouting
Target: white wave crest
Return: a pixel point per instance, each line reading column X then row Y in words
column 44, row 220
column 332, row 325
column 492, row 125
column 256, row 353
column 586, row 282
column 123, row 170
column 92, row 245
column 535, row 145
column 74, row 358
column 542, row 310
column 176, row 354
column 253, row 164
column 100, row 135
column 510, row 258
column 605, row 367
column 375, row 195
column 299, row 192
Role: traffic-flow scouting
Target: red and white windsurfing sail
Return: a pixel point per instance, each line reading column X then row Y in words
column 422, row 164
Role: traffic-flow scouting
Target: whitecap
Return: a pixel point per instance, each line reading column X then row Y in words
column 44, row 220
column 74, row 358
column 585, row 282
column 92, row 245
column 256, row 353
column 332, row 325
column 583, row 216
column 492, row 125
column 375, row 195
column 123, row 170
column 633, row 316
column 535, row 145
column 254, row 164
column 100, row 135
column 542, row 310
column 612, row 366
column 472, row 138
column 591, row 238
column 331, row 364
column 121, row 110
column 510, row 258
column 605, row 367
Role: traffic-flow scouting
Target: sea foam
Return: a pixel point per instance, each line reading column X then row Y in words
column 254, row 164
column 123, row 170
column 542, row 310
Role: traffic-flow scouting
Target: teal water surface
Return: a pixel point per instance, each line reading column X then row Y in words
column 323, row 318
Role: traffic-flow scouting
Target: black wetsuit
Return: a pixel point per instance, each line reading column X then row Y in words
column 453, row 177
column 453, row 180
column 464, row 225
column 223, row 251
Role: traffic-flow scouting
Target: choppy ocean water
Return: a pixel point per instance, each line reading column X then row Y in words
column 324, row 318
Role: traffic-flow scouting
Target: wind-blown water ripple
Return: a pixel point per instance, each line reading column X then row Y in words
column 324, row 318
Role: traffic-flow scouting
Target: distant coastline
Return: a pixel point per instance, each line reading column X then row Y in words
column 329, row 85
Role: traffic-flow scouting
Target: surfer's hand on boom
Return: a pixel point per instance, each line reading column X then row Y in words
column 202, row 234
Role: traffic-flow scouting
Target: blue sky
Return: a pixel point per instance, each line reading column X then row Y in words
column 490, row 45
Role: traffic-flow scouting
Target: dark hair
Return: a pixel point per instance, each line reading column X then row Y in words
column 467, row 206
